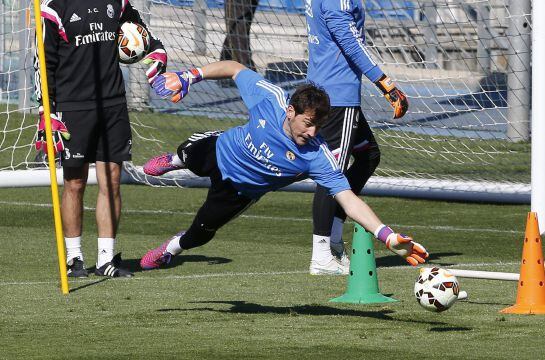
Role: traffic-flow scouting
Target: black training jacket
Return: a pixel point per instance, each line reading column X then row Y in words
column 80, row 38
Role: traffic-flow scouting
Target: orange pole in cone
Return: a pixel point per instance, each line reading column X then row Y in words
column 531, row 286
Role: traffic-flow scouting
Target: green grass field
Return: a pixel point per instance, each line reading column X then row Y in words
column 247, row 294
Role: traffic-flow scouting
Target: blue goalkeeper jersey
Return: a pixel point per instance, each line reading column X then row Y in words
column 337, row 52
column 259, row 156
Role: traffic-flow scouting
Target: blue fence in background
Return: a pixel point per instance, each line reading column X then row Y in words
column 378, row 9
column 382, row 9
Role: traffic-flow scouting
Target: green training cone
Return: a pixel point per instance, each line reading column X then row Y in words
column 362, row 281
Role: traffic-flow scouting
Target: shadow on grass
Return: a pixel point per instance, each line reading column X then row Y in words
column 88, row 284
column 243, row 307
column 473, row 302
column 450, row 328
column 394, row 260
column 134, row 264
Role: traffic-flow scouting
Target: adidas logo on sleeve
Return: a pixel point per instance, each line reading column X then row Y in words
column 74, row 18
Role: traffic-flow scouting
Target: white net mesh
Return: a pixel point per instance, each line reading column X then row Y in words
column 17, row 126
column 463, row 64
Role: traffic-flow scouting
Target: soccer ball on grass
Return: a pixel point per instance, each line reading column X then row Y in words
column 436, row 289
column 133, row 42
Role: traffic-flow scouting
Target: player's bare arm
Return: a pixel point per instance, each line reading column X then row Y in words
column 222, row 70
column 400, row 244
column 358, row 210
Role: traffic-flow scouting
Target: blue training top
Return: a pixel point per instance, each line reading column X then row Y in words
column 259, row 157
column 337, row 53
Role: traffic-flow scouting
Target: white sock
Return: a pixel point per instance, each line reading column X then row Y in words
column 321, row 253
column 177, row 161
column 173, row 246
column 73, row 248
column 337, row 232
column 105, row 250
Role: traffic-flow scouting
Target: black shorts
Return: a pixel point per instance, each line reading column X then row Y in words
column 347, row 131
column 102, row 134
column 223, row 202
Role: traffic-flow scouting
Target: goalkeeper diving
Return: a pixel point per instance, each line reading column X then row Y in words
column 278, row 145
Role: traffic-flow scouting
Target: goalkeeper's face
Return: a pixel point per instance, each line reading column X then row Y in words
column 301, row 127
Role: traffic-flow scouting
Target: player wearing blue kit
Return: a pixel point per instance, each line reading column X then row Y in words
column 338, row 58
column 276, row 147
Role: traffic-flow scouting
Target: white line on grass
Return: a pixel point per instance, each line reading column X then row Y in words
column 239, row 274
column 280, row 218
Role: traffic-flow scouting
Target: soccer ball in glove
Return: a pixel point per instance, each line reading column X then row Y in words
column 133, row 42
column 436, row 289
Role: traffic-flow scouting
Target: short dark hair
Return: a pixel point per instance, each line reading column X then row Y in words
column 311, row 97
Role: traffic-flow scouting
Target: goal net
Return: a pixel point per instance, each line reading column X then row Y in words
column 464, row 65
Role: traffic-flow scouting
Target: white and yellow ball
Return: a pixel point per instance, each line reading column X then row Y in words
column 436, row 289
column 133, row 42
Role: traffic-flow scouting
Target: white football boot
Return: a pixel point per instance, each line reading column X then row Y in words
column 332, row 267
column 339, row 252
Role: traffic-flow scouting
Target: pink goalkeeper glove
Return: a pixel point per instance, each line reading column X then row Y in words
column 58, row 129
column 176, row 84
column 402, row 245
column 157, row 61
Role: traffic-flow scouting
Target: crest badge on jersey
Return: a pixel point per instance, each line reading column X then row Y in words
column 290, row 156
column 110, row 11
